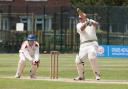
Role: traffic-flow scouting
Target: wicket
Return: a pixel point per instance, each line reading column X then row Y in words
column 54, row 65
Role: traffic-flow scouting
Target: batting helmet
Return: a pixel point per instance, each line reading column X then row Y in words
column 31, row 37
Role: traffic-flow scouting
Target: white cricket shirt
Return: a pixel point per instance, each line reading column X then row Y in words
column 88, row 34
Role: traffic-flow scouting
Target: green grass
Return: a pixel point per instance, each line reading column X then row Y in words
column 111, row 69
column 41, row 84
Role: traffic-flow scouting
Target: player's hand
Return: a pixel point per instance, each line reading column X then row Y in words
column 35, row 62
column 89, row 23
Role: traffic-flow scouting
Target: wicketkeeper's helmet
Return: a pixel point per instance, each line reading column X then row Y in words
column 31, row 37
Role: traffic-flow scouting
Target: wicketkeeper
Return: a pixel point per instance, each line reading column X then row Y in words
column 29, row 50
column 86, row 28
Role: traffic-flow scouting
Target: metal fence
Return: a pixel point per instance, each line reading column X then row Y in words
column 56, row 27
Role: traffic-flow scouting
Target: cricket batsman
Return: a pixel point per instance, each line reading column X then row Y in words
column 29, row 50
column 86, row 28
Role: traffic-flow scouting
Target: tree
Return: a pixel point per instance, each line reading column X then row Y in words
column 80, row 3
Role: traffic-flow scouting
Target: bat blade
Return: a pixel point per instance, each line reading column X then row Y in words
column 80, row 12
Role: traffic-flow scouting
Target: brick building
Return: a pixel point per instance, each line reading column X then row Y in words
column 37, row 2
column 51, row 20
column 31, row 13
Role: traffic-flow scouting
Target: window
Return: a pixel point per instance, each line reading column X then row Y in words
column 39, row 23
column 4, row 23
column 36, row 0
column 27, row 20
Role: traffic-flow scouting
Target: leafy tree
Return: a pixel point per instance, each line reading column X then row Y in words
column 80, row 3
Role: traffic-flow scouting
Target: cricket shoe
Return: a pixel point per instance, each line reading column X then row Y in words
column 32, row 76
column 79, row 78
column 17, row 76
column 97, row 76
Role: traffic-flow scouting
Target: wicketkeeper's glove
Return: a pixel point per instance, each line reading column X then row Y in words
column 36, row 63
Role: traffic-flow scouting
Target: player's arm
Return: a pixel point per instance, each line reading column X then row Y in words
column 37, row 52
column 83, row 27
column 94, row 23
column 25, row 51
column 36, row 61
column 27, row 55
column 22, row 46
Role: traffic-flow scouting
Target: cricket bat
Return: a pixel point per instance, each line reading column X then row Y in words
column 80, row 12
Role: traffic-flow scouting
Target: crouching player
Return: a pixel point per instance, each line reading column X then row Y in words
column 29, row 50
